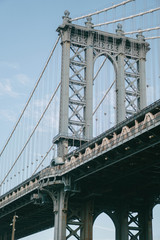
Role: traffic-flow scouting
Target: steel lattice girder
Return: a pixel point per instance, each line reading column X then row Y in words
column 77, row 84
column 131, row 86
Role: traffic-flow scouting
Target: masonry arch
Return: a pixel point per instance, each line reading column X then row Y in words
column 104, row 92
column 104, row 227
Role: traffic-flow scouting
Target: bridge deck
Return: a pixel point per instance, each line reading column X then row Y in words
column 122, row 164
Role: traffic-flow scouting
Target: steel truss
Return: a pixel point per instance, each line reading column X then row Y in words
column 74, row 224
column 74, row 220
column 77, row 84
column 81, row 46
column 134, row 228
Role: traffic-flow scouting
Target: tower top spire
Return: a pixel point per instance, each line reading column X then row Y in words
column 119, row 30
column 89, row 23
column 140, row 36
column 66, row 17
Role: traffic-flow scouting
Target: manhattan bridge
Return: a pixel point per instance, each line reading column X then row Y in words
column 88, row 138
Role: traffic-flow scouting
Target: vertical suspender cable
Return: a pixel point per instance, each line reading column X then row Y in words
column 30, row 96
column 32, row 132
column 103, row 97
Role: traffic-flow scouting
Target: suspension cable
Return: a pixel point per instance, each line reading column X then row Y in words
column 92, row 114
column 103, row 97
column 30, row 96
column 100, row 68
column 126, row 18
column 144, row 30
column 101, row 11
column 149, row 38
column 43, row 159
column 31, row 133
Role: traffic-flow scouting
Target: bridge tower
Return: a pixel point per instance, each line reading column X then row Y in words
column 81, row 46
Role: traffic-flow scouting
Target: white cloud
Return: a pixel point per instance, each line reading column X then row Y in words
column 42, row 103
column 8, row 115
column 22, row 78
column 11, row 65
column 6, row 88
column 51, row 117
column 48, row 124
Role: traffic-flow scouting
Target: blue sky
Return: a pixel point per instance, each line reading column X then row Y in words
column 27, row 35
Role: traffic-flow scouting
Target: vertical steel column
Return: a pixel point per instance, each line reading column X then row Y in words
column 145, row 218
column 122, row 223
column 64, row 99
column 87, row 217
column 120, row 88
column 120, row 81
column 121, row 113
column 60, row 211
column 80, row 220
column 134, row 225
column 89, row 82
column 142, row 72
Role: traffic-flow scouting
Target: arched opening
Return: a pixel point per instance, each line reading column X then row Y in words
column 104, row 94
column 103, row 228
column 156, row 222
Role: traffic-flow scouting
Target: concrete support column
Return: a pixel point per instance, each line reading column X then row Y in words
column 60, row 211
column 87, row 218
column 120, row 88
